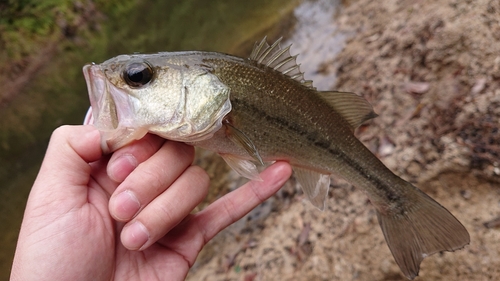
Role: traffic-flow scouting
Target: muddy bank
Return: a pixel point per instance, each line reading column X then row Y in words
column 432, row 71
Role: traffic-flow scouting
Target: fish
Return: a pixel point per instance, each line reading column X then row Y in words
column 252, row 111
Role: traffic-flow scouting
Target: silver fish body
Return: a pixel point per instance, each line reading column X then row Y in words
column 262, row 109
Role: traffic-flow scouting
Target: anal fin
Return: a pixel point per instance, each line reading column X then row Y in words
column 314, row 185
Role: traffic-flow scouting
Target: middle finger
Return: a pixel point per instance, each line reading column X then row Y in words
column 149, row 179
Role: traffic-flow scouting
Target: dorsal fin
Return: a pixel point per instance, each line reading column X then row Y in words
column 278, row 59
column 353, row 108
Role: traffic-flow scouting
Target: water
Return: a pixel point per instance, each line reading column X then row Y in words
column 317, row 40
column 58, row 95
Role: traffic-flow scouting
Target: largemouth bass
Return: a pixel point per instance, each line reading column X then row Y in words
column 260, row 109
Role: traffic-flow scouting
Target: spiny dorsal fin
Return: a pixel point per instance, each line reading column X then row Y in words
column 278, row 59
column 353, row 108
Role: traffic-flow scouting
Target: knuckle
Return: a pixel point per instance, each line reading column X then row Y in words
column 144, row 148
column 166, row 215
column 255, row 187
column 182, row 151
column 200, row 175
column 61, row 131
column 229, row 209
column 154, row 179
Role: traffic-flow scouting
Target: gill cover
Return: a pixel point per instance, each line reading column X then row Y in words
column 202, row 103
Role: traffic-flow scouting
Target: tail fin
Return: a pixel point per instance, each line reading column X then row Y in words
column 420, row 230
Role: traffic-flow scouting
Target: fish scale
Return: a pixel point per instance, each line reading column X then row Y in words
column 278, row 111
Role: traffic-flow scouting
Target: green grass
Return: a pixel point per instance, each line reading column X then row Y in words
column 25, row 25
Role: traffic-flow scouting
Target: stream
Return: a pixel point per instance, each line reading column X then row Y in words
column 58, row 94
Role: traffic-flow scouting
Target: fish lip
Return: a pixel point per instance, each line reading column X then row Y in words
column 89, row 117
column 111, row 106
column 90, row 72
column 98, row 95
column 111, row 111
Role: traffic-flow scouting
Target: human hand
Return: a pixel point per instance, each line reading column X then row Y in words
column 82, row 201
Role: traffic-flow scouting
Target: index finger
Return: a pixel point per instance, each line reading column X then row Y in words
column 236, row 204
column 194, row 232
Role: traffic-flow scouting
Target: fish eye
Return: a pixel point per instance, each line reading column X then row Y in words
column 138, row 74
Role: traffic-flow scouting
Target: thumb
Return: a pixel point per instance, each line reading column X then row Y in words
column 65, row 171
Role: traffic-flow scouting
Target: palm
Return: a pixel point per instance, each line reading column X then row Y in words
column 76, row 227
column 118, row 261
column 154, row 263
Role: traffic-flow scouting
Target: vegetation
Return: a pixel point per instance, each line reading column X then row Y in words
column 25, row 25
column 32, row 32
column 44, row 44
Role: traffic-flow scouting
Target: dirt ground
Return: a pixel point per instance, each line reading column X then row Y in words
column 432, row 71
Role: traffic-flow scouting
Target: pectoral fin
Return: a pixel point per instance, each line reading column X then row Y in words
column 244, row 168
column 241, row 140
column 314, row 185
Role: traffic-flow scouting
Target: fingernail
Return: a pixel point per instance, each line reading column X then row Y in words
column 134, row 236
column 122, row 167
column 126, row 205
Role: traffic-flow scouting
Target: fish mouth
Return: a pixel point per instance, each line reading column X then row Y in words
column 102, row 106
column 111, row 111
